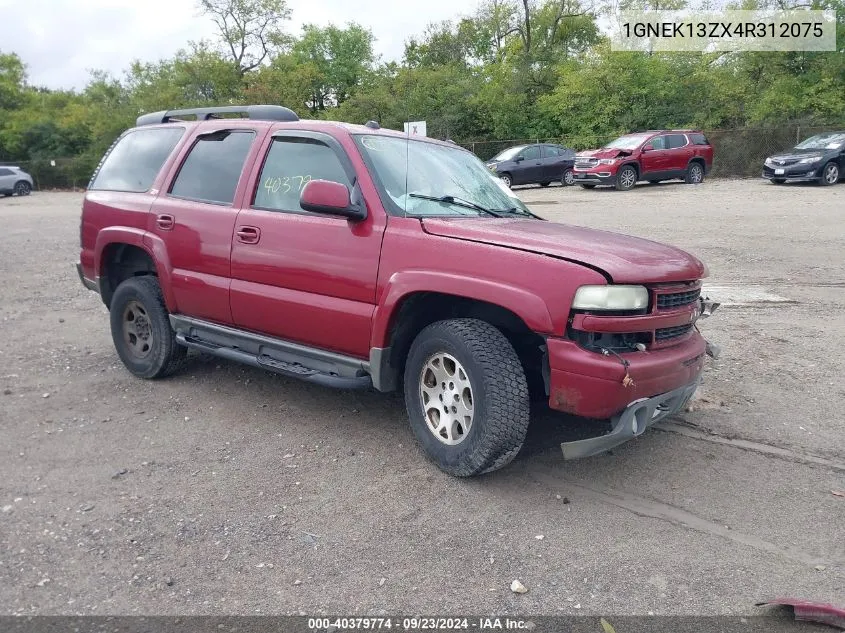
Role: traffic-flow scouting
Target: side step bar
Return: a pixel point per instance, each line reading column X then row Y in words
column 321, row 367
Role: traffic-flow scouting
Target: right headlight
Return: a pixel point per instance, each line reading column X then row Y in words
column 610, row 298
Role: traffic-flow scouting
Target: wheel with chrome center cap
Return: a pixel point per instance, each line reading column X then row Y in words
column 467, row 396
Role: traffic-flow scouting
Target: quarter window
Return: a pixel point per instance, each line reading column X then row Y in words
column 213, row 167
column 292, row 163
column 5, row 172
column 135, row 160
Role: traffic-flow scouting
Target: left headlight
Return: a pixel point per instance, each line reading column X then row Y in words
column 810, row 159
column 607, row 161
column 610, row 298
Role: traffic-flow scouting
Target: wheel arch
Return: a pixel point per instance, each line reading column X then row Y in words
column 123, row 252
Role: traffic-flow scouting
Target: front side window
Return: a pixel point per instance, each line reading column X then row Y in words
column 291, row 163
column 531, row 153
column 213, row 167
column 405, row 169
column 135, row 160
column 658, row 142
column 508, row 154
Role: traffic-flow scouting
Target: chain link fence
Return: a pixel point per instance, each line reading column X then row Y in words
column 738, row 153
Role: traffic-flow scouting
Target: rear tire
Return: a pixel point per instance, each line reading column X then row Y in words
column 830, row 174
column 23, row 188
column 141, row 329
column 695, row 174
column 466, row 396
column 626, row 178
column 568, row 178
column 545, row 184
column 588, row 186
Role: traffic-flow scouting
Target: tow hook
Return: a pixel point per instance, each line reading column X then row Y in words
column 706, row 308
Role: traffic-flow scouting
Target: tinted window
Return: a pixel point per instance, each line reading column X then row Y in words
column 658, row 142
column 531, row 153
column 290, row 164
column 213, row 167
column 674, row 141
column 551, row 151
column 135, row 160
column 698, row 139
column 5, row 172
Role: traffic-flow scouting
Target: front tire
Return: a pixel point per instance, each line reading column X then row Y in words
column 545, row 184
column 626, row 178
column 777, row 181
column 588, row 186
column 466, row 396
column 830, row 174
column 141, row 329
column 23, row 188
column 568, row 178
column 506, row 178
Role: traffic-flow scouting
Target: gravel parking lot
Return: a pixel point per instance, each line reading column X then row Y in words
column 226, row 490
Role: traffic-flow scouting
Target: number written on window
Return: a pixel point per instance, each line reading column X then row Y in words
column 285, row 184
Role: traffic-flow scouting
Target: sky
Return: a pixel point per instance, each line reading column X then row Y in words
column 61, row 40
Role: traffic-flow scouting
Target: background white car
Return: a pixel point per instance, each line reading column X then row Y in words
column 13, row 180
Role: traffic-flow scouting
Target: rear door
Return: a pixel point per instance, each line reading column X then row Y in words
column 7, row 177
column 195, row 218
column 552, row 163
column 679, row 151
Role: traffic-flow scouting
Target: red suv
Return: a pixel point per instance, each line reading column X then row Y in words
column 654, row 156
column 355, row 257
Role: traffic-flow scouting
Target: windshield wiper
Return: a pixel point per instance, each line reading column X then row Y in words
column 518, row 211
column 459, row 202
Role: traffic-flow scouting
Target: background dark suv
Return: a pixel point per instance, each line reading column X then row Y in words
column 540, row 163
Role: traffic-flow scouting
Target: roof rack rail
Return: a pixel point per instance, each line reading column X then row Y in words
column 254, row 112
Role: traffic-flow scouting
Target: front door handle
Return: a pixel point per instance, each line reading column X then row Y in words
column 248, row 234
column 165, row 222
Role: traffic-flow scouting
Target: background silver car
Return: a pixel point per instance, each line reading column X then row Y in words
column 13, row 180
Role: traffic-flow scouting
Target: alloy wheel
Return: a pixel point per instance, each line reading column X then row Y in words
column 447, row 398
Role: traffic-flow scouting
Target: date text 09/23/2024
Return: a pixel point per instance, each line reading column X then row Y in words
column 418, row 624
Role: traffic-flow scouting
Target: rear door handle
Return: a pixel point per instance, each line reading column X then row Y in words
column 248, row 234
column 165, row 222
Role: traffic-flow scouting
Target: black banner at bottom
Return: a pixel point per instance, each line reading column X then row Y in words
column 780, row 621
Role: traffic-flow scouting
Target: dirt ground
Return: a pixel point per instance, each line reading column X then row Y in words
column 226, row 490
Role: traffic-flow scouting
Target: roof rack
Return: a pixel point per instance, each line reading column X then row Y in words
column 254, row 112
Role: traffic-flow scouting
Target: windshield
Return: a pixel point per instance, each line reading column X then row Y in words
column 405, row 170
column 508, row 154
column 629, row 141
column 833, row 140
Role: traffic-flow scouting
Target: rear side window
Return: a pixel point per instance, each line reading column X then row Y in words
column 291, row 163
column 698, row 139
column 213, row 167
column 673, row 141
column 135, row 160
column 551, row 151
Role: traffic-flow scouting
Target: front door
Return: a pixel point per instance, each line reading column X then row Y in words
column 301, row 276
column 654, row 162
column 530, row 168
column 195, row 216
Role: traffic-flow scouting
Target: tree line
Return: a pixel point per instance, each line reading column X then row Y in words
column 512, row 69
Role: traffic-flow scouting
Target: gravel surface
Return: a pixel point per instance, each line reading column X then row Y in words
column 227, row 490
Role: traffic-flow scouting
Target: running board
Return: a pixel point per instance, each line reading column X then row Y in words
column 293, row 360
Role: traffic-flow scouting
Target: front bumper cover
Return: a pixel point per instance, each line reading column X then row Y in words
column 632, row 422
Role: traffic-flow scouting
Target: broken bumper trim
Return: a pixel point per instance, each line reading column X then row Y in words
column 632, row 422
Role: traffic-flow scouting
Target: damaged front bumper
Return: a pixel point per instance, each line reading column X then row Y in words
column 632, row 422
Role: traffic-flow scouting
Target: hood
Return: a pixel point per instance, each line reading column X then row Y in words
column 604, row 153
column 798, row 154
column 623, row 258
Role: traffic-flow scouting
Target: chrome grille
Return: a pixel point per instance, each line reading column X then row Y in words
column 666, row 333
column 676, row 299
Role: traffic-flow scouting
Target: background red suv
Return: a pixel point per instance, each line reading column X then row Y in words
column 654, row 156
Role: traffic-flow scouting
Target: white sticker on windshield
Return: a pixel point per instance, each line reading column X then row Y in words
column 832, row 146
column 504, row 187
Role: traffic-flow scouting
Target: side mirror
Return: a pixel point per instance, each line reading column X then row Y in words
column 332, row 198
column 648, row 148
column 519, row 159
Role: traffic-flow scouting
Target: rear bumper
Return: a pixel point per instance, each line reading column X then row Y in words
column 88, row 283
column 632, row 422
column 591, row 385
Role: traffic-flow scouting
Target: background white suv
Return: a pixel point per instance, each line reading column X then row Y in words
column 13, row 180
